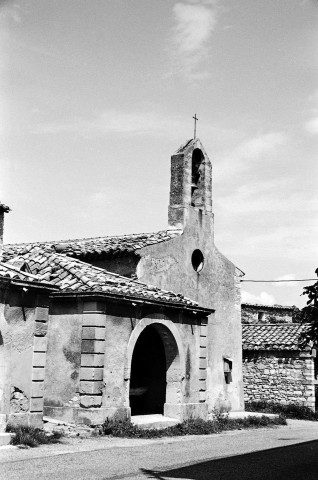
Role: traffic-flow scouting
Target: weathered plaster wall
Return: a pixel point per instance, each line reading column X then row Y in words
column 168, row 266
column 5, row 382
column 285, row 377
column 61, row 386
column 123, row 265
column 22, row 347
column 91, row 344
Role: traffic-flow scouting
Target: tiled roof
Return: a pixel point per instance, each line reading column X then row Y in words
column 259, row 306
column 73, row 275
column 11, row 272
column 96, row 246
column 272, row 336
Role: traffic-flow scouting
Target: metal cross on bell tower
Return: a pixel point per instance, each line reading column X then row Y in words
column 195, row 125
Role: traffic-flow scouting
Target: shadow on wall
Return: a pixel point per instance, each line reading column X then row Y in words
column 295, row 462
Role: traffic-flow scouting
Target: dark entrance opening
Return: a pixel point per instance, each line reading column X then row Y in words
column 148, row 374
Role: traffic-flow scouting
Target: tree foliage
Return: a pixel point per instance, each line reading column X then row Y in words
column 309, row 314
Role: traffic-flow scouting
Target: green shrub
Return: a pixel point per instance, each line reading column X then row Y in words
column 31, row 436
column 221, row 422
column 292, row 410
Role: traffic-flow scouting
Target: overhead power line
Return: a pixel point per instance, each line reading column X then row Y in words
column 279, row 281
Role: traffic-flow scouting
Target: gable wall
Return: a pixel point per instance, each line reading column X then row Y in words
column 168, row 266
column 122, row 265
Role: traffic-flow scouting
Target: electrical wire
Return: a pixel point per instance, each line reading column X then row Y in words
column 279, row 281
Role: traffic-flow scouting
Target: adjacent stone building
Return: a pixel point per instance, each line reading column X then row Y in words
column 269, row 314
column 143, row 323
column 275, row 367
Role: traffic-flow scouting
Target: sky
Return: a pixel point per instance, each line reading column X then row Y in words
column 97, row 95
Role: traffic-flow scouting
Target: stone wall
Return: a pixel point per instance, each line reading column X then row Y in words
column 279, row 376
column 267, row 314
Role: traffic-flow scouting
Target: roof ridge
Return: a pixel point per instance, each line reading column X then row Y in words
column 272, row 324
column 275, row 305
column 47, row 242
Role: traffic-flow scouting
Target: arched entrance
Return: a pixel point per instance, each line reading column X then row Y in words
column 148, row 374
column 155, row 376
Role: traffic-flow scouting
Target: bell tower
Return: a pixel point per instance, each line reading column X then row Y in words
column 191, row 183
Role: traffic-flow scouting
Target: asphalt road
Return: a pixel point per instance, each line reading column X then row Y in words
column 282, row 453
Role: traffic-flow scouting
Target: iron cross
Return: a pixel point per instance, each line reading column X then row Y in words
column 195, row 125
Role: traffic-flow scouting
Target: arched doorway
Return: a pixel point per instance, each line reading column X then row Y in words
column 148, row 376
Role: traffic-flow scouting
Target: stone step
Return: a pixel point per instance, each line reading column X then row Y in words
column 156, row 421
column 5, row 439
column 251, row 414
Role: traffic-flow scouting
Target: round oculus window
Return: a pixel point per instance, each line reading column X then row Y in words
column 197, row 260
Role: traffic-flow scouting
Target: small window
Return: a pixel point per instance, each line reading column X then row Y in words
column 197, row 260
column 227, row 365
column 261, row 316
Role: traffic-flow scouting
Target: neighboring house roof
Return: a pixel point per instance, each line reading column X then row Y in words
column 73, row 275
column 96, row 246
column 259, row 306
column 272, row 336
column 12, row 273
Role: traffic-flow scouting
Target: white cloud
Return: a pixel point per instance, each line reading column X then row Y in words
column 195, row 22
column 250, row 151
column 312, row 126
column 114, row 121
column 278, row 196
column 288, row 276
column 194, row 25
column 263, row 298
column 260, row 145
column 154, row 123
column 10, row 13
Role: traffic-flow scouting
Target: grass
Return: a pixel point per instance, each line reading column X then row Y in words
column 124, row 428
column 292, row 410
column 31, row 436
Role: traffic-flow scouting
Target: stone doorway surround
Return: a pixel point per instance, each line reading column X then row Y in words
column 175, row 361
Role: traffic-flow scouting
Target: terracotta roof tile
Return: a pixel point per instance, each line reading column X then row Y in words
column 71, row 274
column 14, row 273
column 82, row 248
column 272, row 336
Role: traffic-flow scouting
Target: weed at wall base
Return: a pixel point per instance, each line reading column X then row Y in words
column 124, row 428
column 292, row 410
column 31, row 436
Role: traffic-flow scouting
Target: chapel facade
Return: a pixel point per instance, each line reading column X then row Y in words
column 143, row 323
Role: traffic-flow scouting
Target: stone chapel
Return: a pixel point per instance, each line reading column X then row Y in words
column 135, row 324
